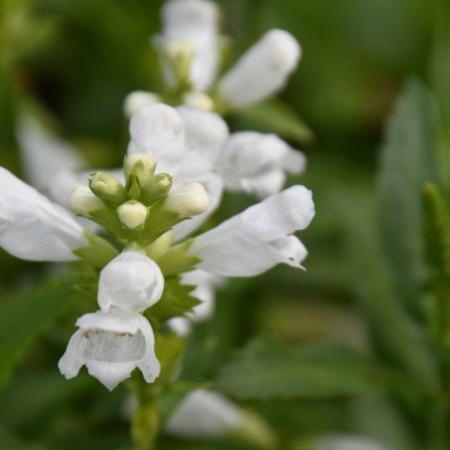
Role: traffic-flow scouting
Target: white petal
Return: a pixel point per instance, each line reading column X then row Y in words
column 263, row 185
column 204, row 413
column 205, row 135
column 157, row 131
column 131, row 281
column 33, row 228
column 262, row 70
column 44, row 156
column 180, row 325
column 111, row 344
column 214, row 187
column 137, row 99
column 195, row 22
column 241, row 246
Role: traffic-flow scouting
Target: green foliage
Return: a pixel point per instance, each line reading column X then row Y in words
column 409, row 158
column 22, row 318
column 277, row 117
column 178, row 259
column 268, row 369
column 176, row 301
column 99, row 252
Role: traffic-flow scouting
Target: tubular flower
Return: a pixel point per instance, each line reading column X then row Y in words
column 258, row 238
column 131, row 281
column 191, row 49
column 111, row 345
column 32, row 227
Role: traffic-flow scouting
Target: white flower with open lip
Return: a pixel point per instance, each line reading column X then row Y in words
column 262, row 70
column 204, row 413
column 32, row 227
column 131, row 281
column 111, row 345
column 258, row 238
column 257, row 163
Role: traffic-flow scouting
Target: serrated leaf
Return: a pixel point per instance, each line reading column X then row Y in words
column 277, row 117
column 176, row 301
column 268, row 369
column 23, row 318
column 409, row 159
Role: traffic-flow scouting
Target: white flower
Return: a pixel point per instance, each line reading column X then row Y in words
column 347, row 442
column 132, row 214
column 194, row 22
column 256, row 163
column 137, row 99
column 190, row 199
column 258, row 238
column 131, row 281
column 32, row 227
column 204, row 413
column 111, row 345
column 262, row 70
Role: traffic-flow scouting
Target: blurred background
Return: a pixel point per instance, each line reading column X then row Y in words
column 77, row 60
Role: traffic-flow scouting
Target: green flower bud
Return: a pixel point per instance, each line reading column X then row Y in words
column 157, row 188
column 140, row 166
column 108, row 188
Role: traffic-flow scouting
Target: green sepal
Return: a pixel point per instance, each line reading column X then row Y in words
column 133, row 188
column 157, row 249
column 176, row 301
column 178, row 259
column 158, row 222
column 98, row 253
column 107, row 218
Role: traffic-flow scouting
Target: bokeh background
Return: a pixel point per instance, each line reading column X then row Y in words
column 78, row 60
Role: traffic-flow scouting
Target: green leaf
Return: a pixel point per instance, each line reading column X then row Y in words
column 176, row 301
column 11, row 442
column 437, row 247
column 268, row 369
column 277, row 117
column 409, row 159
column 23, row 318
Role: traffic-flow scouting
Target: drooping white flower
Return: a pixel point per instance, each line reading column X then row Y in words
column 193, row 23
column 131, row 281
column 204, row 413
column 262, row 70
column 258, row 238
column 111, row 345
column 347, row 442
column 205, row 285
column 257, row 163
column 32, row 227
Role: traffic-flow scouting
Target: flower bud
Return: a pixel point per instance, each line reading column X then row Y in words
column 188, row 200
column 132, row 214
column 140, row 165
column 107, row 187
column 158, row 187
column 137, row 100
column 199, row 100
column 83, row 202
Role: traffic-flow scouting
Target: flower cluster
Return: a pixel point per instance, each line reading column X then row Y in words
column 172, row 180
column 191, row 49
